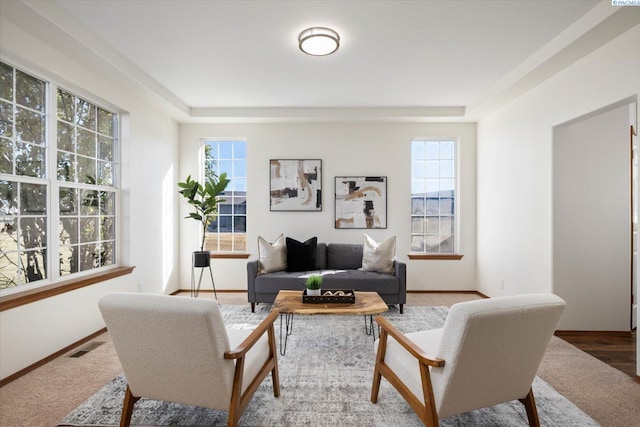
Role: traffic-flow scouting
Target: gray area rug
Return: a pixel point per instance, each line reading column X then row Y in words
column 325, row 380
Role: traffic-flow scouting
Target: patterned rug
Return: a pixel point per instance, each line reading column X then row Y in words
column 325, row 380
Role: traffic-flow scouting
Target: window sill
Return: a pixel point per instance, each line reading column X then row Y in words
column 445, row 257
column 17, row 299
column 229, row 255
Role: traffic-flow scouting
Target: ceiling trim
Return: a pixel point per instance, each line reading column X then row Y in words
column 599, row 26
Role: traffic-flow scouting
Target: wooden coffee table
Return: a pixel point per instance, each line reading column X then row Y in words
column 288, row 303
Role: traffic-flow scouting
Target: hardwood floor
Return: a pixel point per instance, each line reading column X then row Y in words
column 616, row 350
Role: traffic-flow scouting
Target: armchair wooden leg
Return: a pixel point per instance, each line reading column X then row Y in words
column 127, row 408
column 253, row 307
column 529, row 403
column 275, row 376
column 401, row 308
column 377, row 376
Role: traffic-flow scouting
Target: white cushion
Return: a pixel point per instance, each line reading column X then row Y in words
column 378, row 256
column 272, row 257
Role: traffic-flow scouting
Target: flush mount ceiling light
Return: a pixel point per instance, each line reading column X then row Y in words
column 318, row 41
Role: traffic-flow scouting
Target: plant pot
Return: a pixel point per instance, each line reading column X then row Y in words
column 201, row 259
column 314, row 292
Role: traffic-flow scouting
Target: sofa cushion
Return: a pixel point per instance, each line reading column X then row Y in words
column 378, row 256
column 301, row 256
column 272, row 257
column 342, row 256
column 367, row 281
column 272, row 283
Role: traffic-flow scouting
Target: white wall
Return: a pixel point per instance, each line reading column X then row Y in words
column 514, row 165
column 592, row 220
column 345, row 149
column 149, row 227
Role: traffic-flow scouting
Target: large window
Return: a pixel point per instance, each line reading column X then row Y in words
column 228, row 232
column 433, row 196
column 57, row 181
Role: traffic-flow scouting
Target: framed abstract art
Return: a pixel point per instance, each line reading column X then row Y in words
column 361, row 202
column 296, row 185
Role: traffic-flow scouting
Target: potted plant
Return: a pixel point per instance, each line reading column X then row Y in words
column 314, row 283
column 204, row 199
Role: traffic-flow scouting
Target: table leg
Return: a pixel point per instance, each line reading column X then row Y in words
column 288, row 319
column 369, row 326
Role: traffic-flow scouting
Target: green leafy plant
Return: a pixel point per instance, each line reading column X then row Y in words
column 314, row 282
column 204, row 199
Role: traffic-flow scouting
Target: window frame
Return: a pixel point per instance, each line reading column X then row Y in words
column 54, row 283
column 217, row 252
column 456, row 254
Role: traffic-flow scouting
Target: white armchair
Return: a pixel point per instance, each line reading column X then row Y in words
column 178, row 349
column 488, row 352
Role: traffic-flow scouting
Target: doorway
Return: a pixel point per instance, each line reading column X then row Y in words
column 593, row 223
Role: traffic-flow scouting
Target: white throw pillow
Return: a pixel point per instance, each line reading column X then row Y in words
column 378, row 256
column 272, row 257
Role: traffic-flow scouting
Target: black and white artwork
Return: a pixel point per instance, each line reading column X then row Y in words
column 361, row 202
column 296, row 185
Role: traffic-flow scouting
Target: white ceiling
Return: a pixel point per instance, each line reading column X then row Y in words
column 397, row 58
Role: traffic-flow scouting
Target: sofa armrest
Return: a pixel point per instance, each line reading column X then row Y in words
column 252, row 273
column 400, row 271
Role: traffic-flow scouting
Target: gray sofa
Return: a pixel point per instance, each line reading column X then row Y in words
column 338, row 263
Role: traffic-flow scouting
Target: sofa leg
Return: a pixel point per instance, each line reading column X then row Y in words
column 253, row 307
column 401, row 308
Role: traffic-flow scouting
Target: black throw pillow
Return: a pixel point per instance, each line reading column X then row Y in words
column 301, row 256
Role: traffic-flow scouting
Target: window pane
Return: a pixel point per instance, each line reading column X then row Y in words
column 8, row 198
column 85, row 114
column 33, row 232
column 30, row 126
column 88, row 229
column 86, row 143
column 105, row 148
column 88, row 257
column 33, row 265
column 6, row 119
column 33, row 199
column 30, row 92
column 225, row 151
column 65, row 137
column 6, row 81
column 86, row 170
column 66, row 106
column 446, row 168
column 69, row 260
column 417, row 206
column 66, row 167
column 447, row 150
column 68, row 201
column 6, row 156
column 105, row 173
column 107, row 230
column 68, row 231
column 417, row 225
column 105, row 122
column 30, row 160
column 240, row 224
column 107, row 254
column 417, row 244
column 240, row 150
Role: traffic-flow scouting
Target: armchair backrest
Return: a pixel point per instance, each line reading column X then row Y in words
column 171, row 348
column 492, row 349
